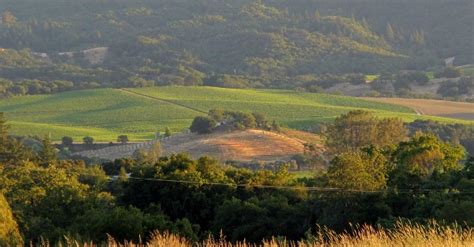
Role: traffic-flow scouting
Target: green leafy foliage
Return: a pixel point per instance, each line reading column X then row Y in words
column 9, row 232
column 358, row 129
column 423, row 156
column 203, row 125
column 362, row 170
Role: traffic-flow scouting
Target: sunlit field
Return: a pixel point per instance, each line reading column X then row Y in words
column 140, row 113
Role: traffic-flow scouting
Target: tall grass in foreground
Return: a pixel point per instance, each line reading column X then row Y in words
column 403, row 234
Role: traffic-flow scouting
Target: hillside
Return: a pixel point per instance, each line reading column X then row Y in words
column 244, row 146
column 67, row 45
column 140, row 113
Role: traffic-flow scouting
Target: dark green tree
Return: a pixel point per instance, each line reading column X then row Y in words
column 48, row 153
column 67, row 141
column 203, row 125
column 122, row 139
column 88, row 140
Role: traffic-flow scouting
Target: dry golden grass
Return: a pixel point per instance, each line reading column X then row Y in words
column 443, row 108
column 304, row 136
column 414, row 235
column 248, row 145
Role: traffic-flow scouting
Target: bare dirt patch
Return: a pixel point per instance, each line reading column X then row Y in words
column 459, row 110
column 96, row 55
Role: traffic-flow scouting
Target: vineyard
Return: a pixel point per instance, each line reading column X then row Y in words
column 140, row 113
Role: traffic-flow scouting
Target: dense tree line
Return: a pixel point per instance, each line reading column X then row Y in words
column 453, row 89
column 455, row 86
column 453, row 133
column 419, row 178
column 220, row 119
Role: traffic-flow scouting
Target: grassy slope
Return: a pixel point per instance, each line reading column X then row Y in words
column 468, row 70
column 106, row 113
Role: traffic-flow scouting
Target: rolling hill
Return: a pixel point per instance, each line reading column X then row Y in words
column 140, row 113
column 243, row 146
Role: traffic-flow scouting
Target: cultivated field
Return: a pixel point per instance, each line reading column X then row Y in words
column 140, row 113
column 451, row 109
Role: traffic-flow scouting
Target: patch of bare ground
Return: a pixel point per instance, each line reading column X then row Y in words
column 452, row 109
column 96, row 55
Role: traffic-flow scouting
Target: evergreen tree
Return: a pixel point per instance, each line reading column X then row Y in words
column 48, row 153
column 12, row 150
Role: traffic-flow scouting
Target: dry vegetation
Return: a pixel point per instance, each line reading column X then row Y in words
column 304, row 136
column 245, row 145
column 404, row 234
column 460, row 110
column 248, row 145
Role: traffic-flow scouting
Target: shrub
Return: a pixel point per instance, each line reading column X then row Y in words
column 88, row 140
column 122, row 139
column 67, row 141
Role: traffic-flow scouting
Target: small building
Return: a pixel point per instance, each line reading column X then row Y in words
column 449, row 62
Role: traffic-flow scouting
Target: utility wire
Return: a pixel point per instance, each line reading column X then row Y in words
column 296, row 188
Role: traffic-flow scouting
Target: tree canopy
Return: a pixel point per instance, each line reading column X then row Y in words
column 358, row 129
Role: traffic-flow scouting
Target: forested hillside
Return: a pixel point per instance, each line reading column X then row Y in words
column 230, row 43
